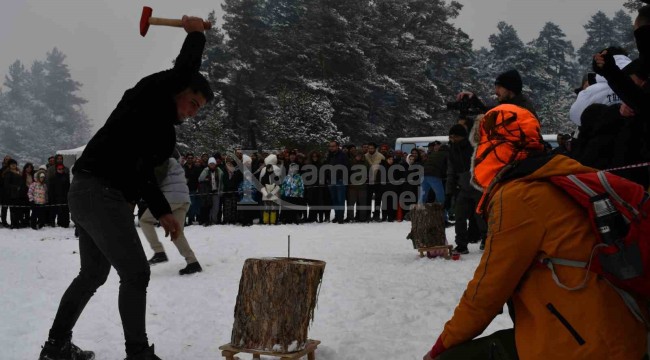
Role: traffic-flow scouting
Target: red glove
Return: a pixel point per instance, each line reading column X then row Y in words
column 437, row 349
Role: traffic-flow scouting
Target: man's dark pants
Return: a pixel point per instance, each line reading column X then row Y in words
column 107, row 237
column 466, row 202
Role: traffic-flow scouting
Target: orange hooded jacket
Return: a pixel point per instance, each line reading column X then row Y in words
column 530, row 218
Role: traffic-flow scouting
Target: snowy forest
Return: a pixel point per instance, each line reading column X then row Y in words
column 299, row 72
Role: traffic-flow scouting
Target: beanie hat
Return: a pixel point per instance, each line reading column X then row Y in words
column 510, row 80
column 212, row 161
column 458, row 130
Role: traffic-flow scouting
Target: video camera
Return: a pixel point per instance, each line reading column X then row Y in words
column 466, row 106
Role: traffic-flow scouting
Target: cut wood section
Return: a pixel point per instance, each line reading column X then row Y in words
column 275, row 304
column 427, row 225
column 228, row 351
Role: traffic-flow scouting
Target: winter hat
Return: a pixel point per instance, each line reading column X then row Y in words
column 212, row 161
column 12, row 161
column 60, row 166
column 510, row 80
column 506, row 134
column 458, row 130
column 271, row 160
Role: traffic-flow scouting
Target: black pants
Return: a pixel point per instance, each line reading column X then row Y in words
column 3, row 214
column 62, row 214
column 107, row 237
column 498, row 346
column 466, row 212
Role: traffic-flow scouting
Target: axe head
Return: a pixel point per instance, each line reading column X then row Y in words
column 144, row 20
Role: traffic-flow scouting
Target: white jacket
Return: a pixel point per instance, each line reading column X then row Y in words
column 598, row 93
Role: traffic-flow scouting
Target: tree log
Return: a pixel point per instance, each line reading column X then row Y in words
column 275, row 304
column 427, row 225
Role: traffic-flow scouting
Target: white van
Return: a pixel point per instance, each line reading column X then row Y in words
column 408, row 144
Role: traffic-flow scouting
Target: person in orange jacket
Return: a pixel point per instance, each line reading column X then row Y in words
column 530, row 219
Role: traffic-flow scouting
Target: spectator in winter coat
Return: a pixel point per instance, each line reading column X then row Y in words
column 212, row 179
column 28, row 179
column 292, row 191
column 58, row 188
column 374, row 160
column 51, row 175
column 271, row 180
column 140, row 133
column 171, row 179
column 3, row 204
column 13, row 184
column 37, row 195
column 232, row 177
column 526, row 226
column 316, row 193
column 600, row 92
column 608, row 139
column 247, row 191
column 337, row 164
column 358, row 189
column 435, row 169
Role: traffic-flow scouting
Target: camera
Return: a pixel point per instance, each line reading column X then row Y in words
column 465, row 106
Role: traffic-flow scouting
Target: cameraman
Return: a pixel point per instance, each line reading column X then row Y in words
column 507, row 88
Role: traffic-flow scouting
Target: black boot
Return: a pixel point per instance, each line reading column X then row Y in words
column 157, row 258
column 146, row 354
column 64, row 350
column 191, row 269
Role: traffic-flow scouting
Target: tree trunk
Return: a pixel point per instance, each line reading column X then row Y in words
column 275, row 304
column 427, row 225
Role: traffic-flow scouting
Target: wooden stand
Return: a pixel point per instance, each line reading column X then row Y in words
column 443, row 250
column 228, row 351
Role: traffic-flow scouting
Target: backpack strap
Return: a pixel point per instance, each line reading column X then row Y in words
column 631, row 304
column 551, row 262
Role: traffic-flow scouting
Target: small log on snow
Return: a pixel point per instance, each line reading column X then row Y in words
column 427, row 225
column 275, row 304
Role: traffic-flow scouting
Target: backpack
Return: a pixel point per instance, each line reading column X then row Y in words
column 618, row 211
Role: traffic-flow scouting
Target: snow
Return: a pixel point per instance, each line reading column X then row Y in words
column 378, row 299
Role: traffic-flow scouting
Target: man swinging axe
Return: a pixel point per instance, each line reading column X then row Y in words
column 140, row 132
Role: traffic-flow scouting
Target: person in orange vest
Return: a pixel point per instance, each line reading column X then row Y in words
column 530, row 218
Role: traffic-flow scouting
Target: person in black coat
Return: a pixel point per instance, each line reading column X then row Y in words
column 58, row 195
column 140, row 132
column 13, row 184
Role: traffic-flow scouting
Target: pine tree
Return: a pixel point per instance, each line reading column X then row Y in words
column 73, row 127
column 633, row 5
column 600, row 35
column 624, row 32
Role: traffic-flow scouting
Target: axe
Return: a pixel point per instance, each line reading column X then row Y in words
column 146, row 20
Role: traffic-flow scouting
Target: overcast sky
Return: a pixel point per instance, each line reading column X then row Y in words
column 106, row 53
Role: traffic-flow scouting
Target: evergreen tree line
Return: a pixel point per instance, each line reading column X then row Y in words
column 40, row 111
column 297, row 73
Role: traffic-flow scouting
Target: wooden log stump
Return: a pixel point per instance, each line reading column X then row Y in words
column 427, row 225
column 275, row 304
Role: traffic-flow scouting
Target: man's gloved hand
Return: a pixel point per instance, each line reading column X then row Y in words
column 603, row 63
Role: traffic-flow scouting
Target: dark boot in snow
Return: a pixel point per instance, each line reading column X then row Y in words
column 146, row 354
column 64, row 350
column 158, row 258
column 191, row 269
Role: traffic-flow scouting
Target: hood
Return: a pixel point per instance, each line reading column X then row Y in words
column 271, row 160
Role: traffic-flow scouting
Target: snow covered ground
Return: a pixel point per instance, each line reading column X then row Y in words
column 378, row 300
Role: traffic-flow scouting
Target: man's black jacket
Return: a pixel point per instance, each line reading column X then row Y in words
column 140, row 134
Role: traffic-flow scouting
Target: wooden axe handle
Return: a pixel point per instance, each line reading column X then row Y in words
column 174, row 22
